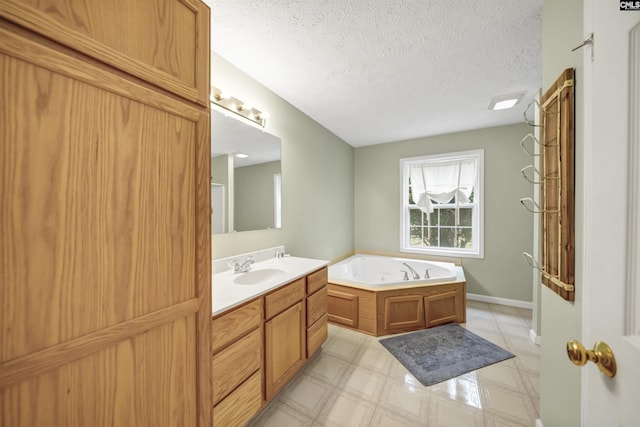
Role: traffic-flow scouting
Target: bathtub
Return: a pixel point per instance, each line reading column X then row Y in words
column 373, row 271
column 369, row 293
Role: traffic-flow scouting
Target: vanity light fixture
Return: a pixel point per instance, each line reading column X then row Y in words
column 243, row 109
column 504, row 102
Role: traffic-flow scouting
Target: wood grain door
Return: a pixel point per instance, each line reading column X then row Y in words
column 444, row 307
column 403, row 312
column 164, row 42
column 105, row 245
column 285, row 347
column 342, row 308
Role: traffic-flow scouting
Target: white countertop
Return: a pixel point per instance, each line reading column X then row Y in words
column 226, row 293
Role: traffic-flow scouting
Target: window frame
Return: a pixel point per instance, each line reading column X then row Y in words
column 477, row 251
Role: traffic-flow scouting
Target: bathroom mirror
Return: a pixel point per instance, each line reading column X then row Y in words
column 245, row 176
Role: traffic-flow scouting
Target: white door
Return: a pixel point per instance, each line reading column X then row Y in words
column 611, row 307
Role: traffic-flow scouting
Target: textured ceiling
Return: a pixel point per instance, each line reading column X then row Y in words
column 375, row 71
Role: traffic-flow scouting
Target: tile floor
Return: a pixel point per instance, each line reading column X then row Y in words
column 355, row 382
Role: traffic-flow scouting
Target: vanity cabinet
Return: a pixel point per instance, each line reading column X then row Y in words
column 236, row 364
column 285, row 335
column 259, row 347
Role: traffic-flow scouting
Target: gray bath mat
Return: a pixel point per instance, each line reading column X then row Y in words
column 444, row 352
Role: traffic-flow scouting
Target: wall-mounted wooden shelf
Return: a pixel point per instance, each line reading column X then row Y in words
column 557, row 113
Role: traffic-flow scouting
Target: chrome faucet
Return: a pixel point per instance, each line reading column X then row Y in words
column 406, row 276
column 426, row 273
column 243, row 267
column 414, row 273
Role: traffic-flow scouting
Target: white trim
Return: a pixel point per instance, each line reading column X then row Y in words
column 478, row 229
column 632, row 326
column 539, row 423
column 537, row 339
column 501, row 301
column 277, row 200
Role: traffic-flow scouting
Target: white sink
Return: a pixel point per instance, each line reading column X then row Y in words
column 256, row 277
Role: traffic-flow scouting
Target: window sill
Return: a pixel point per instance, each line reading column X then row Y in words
column 444, row 253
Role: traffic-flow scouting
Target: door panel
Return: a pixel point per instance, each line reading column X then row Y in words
column 285, row 348
column 105, row 306
column 610, row 243
column 92, row 226
column 403, row 312
column 130, row 383
column 164, row 42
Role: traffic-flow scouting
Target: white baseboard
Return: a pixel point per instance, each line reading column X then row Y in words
column 538, row 423
column 537, row 339
column 501, row 301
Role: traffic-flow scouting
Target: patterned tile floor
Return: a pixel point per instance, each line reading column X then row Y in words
column 355, row 382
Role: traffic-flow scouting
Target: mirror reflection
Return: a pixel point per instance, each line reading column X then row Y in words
column 245, row 176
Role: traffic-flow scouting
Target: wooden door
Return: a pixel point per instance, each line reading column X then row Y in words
column 105, row 244
column 342, row 308
column 403, row 312
column 444, row 307
column 284, row 347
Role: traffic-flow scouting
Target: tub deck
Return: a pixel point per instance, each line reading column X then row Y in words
column 382, row 311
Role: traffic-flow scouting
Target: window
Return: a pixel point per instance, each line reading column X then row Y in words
column 442, row 204
column 277, row 199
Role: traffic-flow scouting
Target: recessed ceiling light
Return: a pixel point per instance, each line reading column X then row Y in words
column 505, row 101
column 242, row 155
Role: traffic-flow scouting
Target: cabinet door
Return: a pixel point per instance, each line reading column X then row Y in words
column 403, row 312
column 343, row 308
column 104, row 245
column 285, row 344
column 444, row 307
column 165, row 42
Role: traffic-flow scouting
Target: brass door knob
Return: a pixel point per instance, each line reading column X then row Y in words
column 601, row 355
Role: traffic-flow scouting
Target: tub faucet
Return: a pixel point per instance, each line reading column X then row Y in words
column 414, row 273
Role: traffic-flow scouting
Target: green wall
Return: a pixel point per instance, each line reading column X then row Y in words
column 317, row 178
column 560, row 383
column 508, row 225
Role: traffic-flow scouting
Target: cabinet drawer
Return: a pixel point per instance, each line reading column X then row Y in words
column 236, row 363
column 316, row 280
column 316, row 305
column 284, row 298
column 317, row 335
column 228, row 327
column 241, row 405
